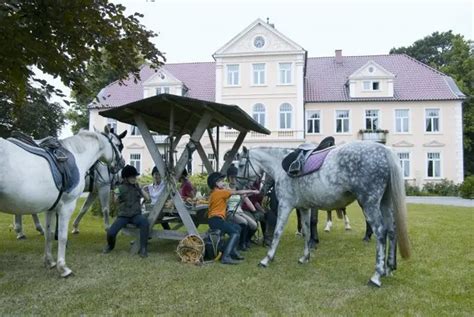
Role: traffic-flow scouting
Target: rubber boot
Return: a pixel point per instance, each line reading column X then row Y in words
column 231, row 245
column 110, row 244
column 248, row 239
column 143, row 253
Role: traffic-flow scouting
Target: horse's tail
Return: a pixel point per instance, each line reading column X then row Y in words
column 397, row 194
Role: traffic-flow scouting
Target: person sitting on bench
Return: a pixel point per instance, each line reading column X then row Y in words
column 128, row 196
column 155, row 189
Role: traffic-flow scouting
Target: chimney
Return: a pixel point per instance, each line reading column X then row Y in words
column 271, row 24
column 338, row 56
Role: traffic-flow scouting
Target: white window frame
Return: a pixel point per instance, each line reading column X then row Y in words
column 112, row 124
column 401, row 125
column 372, row 122
column 280, row 77
column 133, row 161
column 286, row 128
column 439, row 120
column 349, row 120
column 232, row 84
column 309, row 114
column 132, row 128
column 405, row 161
column 440, row 159
column 259, row 114
column 261, row 74
column 371, row 88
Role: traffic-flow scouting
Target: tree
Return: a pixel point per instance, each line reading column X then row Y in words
column 62, row 38
column 453, row 55
column 37, row 117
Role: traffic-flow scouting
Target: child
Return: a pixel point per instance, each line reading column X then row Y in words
column 128, row 195
column 217, row 215
column 154, row 190
column 186, row 190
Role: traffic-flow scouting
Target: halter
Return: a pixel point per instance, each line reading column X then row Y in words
column 246, row 176
column 115, row 154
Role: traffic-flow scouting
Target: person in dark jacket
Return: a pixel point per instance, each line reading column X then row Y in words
column 128, row 196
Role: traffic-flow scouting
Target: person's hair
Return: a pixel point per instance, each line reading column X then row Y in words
column 155, row 171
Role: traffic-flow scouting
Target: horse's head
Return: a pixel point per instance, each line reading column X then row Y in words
column 113, row 146
column 248, row 170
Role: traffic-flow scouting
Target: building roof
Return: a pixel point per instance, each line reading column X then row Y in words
column 326, row 80
column 156, row 112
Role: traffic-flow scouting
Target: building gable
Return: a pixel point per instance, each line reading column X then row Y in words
column 371, row 70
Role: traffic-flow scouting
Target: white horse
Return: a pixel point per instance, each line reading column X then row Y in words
column 27, row 184
column 364, row 171
column 18, row 226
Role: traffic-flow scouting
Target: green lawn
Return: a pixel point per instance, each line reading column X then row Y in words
column 437, row 281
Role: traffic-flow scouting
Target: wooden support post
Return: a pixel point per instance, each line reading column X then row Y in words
column 204, row 158
column 195, row 137
column 211, row 139
column 216, row 152
column 183, row 213
column 170, row 148
column 235, row 148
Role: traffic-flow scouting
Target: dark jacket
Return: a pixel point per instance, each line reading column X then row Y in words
column 128, row 200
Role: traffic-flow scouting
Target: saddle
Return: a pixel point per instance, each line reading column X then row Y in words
column 307, row 158
column 61, row 162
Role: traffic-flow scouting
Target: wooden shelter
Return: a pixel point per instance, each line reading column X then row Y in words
column 176, row 116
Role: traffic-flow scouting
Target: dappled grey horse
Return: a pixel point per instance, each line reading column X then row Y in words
column 18, row 226
column 364, row 171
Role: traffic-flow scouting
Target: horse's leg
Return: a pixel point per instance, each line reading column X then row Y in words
column 50, row 223
column 347, row 224
column 314, row 229
column 64, row 217
column 368, row 232
column 104, row 198
column 85, row 207
column 37, row 223
column 306, row 219
column 18, row 227
column 283, row 214
column 329, row 221
column 387, row 211
column 374, row 217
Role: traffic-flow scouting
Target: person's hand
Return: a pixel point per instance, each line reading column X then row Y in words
column 255, row 192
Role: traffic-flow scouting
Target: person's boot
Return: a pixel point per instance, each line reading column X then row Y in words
column 143, row 253
column 231, row 245
column 243, row 238
column 110, row 244
column 248, row 239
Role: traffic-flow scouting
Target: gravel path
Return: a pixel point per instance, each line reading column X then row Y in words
column 449, row 201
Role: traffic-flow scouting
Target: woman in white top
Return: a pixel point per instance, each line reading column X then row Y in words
column 154, row 190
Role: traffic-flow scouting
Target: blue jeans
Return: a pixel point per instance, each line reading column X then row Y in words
column 138, row 220
column 224, row 226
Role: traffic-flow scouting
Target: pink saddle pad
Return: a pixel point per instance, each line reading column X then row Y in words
column 315, row 161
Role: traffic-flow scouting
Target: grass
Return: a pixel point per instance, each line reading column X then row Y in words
column 437, row 280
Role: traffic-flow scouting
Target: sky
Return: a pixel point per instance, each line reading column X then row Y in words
column 191, row 31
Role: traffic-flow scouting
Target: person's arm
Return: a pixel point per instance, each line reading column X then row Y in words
column 249, row 204
column 244, row 192
column 144, row 193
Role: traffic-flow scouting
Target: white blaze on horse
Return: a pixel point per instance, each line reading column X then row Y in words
column 364, row 171
column 27, row 185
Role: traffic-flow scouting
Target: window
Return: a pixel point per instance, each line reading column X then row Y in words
column 401, row 120
column 233, row 75
column 285, row 73
column 112, row 124
column 162, row 90
column 285, row 116
column 136, row 161
column 432, row 120
column 134, row 130
column 404, row 158
column 313, row 122
column 258, row 74
column 434, row 165
column 212, row 159
column 371, row 85
column 371, row 119
column 258, row 113
column 342, row 121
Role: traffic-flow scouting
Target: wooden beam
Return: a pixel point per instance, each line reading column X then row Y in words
column 204, row 158
column 183, row 212
column 235, row 148
column 216, row 152
column 150, row 144
column 211, row 139
column 195, row 137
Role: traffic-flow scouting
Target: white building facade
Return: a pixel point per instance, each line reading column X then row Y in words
column 392, row 99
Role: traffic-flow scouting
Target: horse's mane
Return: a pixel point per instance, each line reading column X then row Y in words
column 84, row 136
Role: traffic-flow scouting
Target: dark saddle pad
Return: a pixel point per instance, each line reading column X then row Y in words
column 302, row 162
column 61, row 162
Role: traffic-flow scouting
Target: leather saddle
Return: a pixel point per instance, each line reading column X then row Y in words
column 307, row 158
column 61, row 162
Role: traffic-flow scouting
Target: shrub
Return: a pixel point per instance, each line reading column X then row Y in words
column 199, row 182
column 412, row 190
column 97, row 210
column 443, row 188
column 466, row 189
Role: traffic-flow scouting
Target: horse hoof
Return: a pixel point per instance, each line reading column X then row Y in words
column 21, row 237
column 67, row 273
column 303, row 261
column 374, row 283
column 348, row 228
column 261, row 265
column 75, row 231
column 50, row 265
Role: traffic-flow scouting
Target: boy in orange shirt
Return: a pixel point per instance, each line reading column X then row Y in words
column 217, row 215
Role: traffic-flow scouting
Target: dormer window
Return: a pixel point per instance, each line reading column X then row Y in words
column 162, row 90
column 371, row 85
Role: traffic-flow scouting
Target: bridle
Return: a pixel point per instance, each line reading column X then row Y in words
column 116, row 156
column 246, row 179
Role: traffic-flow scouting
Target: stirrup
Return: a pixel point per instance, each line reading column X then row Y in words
column 294, row 168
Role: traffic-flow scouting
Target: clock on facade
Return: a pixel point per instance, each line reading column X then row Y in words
column 259, row 42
